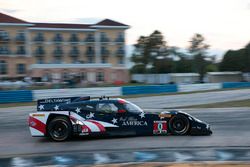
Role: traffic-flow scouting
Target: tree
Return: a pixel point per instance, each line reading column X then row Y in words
column 149, row 53
column 236, row 60
column 198, row 50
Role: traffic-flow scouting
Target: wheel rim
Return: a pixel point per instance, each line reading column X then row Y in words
column 179, row 125
column 59, row 130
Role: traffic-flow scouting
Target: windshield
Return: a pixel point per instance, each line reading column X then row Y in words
column 132, row 107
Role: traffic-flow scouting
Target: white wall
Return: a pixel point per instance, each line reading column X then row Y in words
column 93, row 92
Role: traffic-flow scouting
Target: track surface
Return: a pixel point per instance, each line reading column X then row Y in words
column 191, row 99
column 230, row 129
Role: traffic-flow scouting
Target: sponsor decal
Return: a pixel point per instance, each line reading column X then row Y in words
column 57, row 100
column 38, row 115
column 160, row 127
column 164, row 115
column 130, row 121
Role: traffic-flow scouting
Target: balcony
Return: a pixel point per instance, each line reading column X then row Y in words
column 105, row 39
column 90, row 52
column 74, row 38
column 90, row 39
column 58, row 52
column 39, row 52
column 105, row 52
column 57, row 39
column 120, row 52
column 20, row 38
column 5, row 51
column 74, row 53
column 21, row 52
column 38, row 39
column 120, row 40
column 4, row 38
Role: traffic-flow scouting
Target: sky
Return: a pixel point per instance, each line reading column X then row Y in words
column 224, row 23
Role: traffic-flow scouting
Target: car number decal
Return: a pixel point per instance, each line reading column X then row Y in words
column 160, row 127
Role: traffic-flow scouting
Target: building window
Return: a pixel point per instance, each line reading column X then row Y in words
column 3, row 67
column 21, row 68
column 90, row 38
column 120, row 60
column 4, row 36
column 21, row 50
column 20, row 37
column 74, row 38
column 39, row 37
column 120, row 37
column 4, row 50
column 104, row 59
column 39, row 51
column 100, row 77
column 104, row 37
column 90, row 59
column 58, row 38
column 120, row 51
column 58, row 52
column 90, row 51
column 40, row 60
column 83, row 76
column 104, row 51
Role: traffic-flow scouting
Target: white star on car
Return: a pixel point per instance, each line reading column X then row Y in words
column 91, row 115
column 78, row 110
column 142, row 115
column 41, row 107
column 114, row 120
column 56, row 107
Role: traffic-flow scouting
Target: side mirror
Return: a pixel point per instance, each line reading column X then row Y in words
column 121, row 111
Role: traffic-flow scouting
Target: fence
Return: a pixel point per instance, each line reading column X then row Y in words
column 28, row 95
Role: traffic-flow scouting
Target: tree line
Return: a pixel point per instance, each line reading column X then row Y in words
column 152, row 54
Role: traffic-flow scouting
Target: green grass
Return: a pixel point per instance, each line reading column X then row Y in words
column 238, row 103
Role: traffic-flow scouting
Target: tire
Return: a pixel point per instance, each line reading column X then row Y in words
column 179, row 125
column 59, row 129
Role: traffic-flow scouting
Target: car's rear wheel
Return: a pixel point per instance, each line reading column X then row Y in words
column 179, row 125
column 59, row 129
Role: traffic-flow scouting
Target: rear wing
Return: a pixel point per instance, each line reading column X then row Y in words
column 51, row 104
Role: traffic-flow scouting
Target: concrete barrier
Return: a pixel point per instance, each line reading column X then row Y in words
column 199, row 87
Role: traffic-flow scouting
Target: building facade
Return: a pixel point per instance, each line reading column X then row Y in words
column 52, row 51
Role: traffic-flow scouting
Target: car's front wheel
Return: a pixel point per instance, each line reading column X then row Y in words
column 60, row 128
column 179, row 125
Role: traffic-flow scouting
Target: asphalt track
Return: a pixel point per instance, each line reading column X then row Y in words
column 230, row 128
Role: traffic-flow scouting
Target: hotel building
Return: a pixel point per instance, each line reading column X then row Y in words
column 93, row 53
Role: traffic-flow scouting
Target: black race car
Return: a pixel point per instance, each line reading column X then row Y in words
column 61, row 118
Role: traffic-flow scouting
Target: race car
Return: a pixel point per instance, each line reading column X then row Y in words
column 62, row 118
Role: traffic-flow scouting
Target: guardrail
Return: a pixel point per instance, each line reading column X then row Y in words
column 28, row 95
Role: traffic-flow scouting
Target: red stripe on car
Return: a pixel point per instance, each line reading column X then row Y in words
column 37, row 124
column 100, row 126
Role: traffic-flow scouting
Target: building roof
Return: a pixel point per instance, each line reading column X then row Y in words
column 61, row 25
column 9, row 19
column 108, row 22
column 4, row 18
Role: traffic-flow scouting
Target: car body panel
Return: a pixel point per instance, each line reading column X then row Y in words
column 112, row 117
